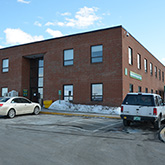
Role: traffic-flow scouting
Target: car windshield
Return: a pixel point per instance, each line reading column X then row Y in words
column 144, row 100
column 4, row 99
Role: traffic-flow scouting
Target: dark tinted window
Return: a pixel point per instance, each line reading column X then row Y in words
column 144, row 100
column 16, row 100
column 4, row 99
column 25, row 100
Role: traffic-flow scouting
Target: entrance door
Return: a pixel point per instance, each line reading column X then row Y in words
column 36, row 79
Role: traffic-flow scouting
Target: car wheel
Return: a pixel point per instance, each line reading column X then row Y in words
column 126, row 122
column 36, row 111
column 157, row 124
column 11, row 114
column 161, row 133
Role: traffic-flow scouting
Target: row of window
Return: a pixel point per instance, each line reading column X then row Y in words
column 153, row 70
column 96, row 55
column 96, row 92
column 131, row 89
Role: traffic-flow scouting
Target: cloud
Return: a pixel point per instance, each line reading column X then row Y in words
column 37, row 23
column 54, row 33
column 23, row 1
column 50, row 23
column 17, row 36
column 66, row 14
column 84, row 17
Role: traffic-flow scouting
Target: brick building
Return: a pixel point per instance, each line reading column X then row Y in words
column 98, row 67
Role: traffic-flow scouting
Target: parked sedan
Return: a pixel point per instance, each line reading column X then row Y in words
column 12, row 106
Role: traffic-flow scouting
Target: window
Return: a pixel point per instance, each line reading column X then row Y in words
column 130, row 87
column 68, row 57
column 159, row 74
column 40, row 77
column 97, row 92
column 139, row 88
column 163, row 76
column 130, row 56
column 155, row 72
column 97, row 54
column 152, row 91
column 139, row 61
column 146, row 90
column 68, row 92
column 151, row 69
column 145, row 65
column 5, row 65
column 4, row 90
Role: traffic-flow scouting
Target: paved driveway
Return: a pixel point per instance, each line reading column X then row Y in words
column 63, row 140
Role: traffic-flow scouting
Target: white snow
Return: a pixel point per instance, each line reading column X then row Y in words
column 63, row 105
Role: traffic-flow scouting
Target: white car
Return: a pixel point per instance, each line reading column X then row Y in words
column 139, row 107
column 12, row 106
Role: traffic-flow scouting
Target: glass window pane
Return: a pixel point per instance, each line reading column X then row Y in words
column 68, row 92
column 41, row 63
column 40, row 82
column 5, row 63
column 98, row 59
column 5, row 70
column 70, row 62
column 97, row 51
column 4, row 90
column 40, row 91
column 40, row 72
column 68, row 54
column 97, row 92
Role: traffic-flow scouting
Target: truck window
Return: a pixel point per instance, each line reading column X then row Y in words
column 143, row 100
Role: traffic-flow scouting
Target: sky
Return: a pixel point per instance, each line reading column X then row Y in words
column 25, row 21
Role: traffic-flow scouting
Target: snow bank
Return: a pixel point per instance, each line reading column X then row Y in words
column 67, row 106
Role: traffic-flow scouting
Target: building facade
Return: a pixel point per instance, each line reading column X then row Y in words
column 98, row 67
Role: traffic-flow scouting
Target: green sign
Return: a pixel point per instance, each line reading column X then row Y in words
column 25, row 92
column 135, row 76
column 126, row 71
column 59, row 92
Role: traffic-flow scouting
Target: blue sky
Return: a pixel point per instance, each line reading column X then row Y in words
column 24, row 21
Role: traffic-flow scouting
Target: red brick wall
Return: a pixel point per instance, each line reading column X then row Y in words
column 82, row 74
column 148, row 81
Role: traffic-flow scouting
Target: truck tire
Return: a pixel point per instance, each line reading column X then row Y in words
column 157, row 124
column 126, row 122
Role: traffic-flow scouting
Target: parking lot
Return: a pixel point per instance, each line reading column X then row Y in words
column 52, row 139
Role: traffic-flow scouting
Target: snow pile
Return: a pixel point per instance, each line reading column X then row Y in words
column 67, row 106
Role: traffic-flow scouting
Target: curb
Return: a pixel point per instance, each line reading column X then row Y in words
column 81, row 115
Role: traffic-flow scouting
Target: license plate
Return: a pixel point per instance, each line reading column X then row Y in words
column 137, row 118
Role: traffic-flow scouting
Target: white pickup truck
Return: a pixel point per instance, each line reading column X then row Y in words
column 139, row 107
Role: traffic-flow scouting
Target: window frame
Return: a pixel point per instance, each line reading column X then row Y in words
column 96, row 57
column 68, row 96
column 131, row 88
column 151, row 69
column 138, row 61
column 145, row 65
column 5, row 69
column 92, row 94
column 68, row 60
column 2, row 94
column 156, row 71
column 159, row 74
column 130, row 56
column 162, row 76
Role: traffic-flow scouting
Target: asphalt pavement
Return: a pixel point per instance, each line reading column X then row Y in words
column 75, row 113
